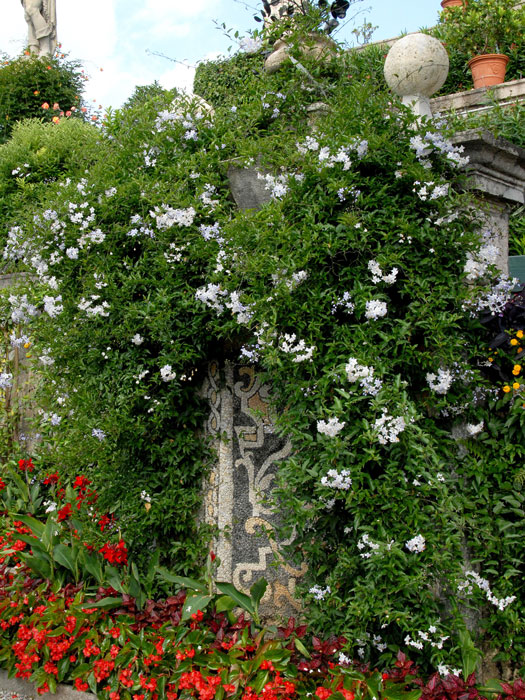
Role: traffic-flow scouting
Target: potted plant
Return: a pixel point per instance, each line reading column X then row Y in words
column 445, row 4
column 485, row 29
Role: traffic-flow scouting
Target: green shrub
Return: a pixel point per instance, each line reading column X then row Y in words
column 356, row 289
column 26, row 83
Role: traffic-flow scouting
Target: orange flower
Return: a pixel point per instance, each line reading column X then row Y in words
column 514, row 341
column 506, row 388
column 36, row 92
column 516, row 370
column 56, row 106
column 519, row 334
column 516, row 386
column 45, row 105
column 68, row 113
column 56, row 120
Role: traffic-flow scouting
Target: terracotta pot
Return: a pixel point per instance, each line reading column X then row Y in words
column 452, row 3
column 488, row 69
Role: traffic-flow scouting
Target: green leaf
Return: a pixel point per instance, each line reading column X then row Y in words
column 36, row 526
column 65, row 556
column 224, row 603
column 241, row 599
column 301, row 648
column 258, row 590
column 181, row 580
column 91, row 563
column 194, row 603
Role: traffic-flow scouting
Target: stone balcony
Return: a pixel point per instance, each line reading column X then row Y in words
column 480, row 99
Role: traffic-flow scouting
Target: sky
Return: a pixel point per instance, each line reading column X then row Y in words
column 117, row 40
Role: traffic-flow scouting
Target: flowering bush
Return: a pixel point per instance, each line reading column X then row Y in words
column 356, row 289
column 27, row 83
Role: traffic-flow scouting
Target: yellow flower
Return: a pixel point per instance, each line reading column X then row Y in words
column 491, row 359
column 516, row 386
column 516, row 370
column 514, row 341
column 519, row 334
column 26, row 345
column 506, row 388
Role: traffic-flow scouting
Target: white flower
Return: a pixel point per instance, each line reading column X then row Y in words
column 250, row 45
column 166, row 217
column 52, row 306
column 319, row 593
column 137, row 339
column 416, row 544
column 330, row 427
column 98, row 433
column 378, row 275
column 299, row 349
column 145, row 496
column 441, row 382
column 337, row 480
column 50, row 506
column 375, row 309
column 388, row 428
column 6, row 380
column 72, row 253
column 167, row 374
column 474, row 429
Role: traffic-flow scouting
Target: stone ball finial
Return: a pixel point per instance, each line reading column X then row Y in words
column 416, row 67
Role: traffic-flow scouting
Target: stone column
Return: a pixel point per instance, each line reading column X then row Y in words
column 496, row 173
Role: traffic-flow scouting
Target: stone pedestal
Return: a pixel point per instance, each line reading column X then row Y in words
column 496, row 173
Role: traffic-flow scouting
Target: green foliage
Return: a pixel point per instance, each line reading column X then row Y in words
column 224, row 81
column 483, row 26
column 28, row 82
column 38, row 155
column 353, row 288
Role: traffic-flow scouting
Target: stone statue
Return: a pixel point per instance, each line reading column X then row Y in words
column 41, row 18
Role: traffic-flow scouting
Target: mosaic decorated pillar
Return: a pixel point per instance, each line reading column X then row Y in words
column 248, row 456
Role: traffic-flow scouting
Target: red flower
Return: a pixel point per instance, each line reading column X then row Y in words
column 26, row 465
column 81, row 685
column 2, row 484
column 323, row 693
column 43, row 689
column 115, row 553
column 65, row 512
column 51, row 479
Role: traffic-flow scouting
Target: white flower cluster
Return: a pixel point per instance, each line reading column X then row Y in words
column 495, row 299
column 143, row 228
column 211, row 296
column 278, row 185
column 144, row 495
column 137, row 339
column 320, row 593
column 174, row 254
column 167, row 374
column 430, row 191
column 422, row 637
column 478, row 263
column 473, row 430
column 292, row 282
column 417, row 544
column 440, row 382
column 53, row 306
column 22, row 309
column 330, row 427
column 337, row 480
column 365, row 541
column 166, row 217
column 6, row 380
column 379, row 276
column 92, row 309
column 18, row 341
column 434, row 140
column 327, row 159
column 345, row 303
column 483, row 584
column 206, row 197
column 388, row 428
column 243, row 312
column 302, row 353
column 375, row 309
column 250, row 45
column 445, row 671
column 364, row 375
